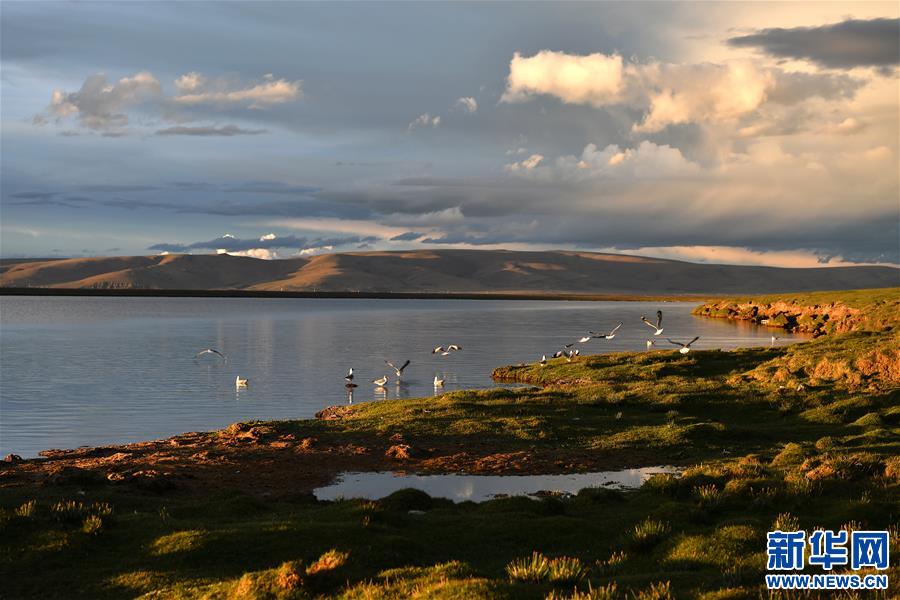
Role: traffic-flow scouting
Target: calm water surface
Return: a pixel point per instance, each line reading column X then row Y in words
column 478, row 488
column 89, row 371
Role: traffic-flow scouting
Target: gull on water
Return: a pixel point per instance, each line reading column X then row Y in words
column 649, row 344
column 658, row 327
column 685, row 348
column 606, row 336
column 445, row 350
column 438, row 382
column 240, row 382
column 210, row 351
column 397, row 370
column 381, row 381
column 775, row 338
column 349, row 377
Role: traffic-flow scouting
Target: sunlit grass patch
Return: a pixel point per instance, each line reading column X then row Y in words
column 539, row 568
column 179, row 541
column 648, row 533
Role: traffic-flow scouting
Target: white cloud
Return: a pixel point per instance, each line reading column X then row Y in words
column 267, row 237
column 263, row 253
column 665, row 93
column 468, row 104
column 104, row 106
column 425, row 120
column 731, row 255
column 527, row 164
column 645, row 161
column 314, row 251
column 100, row 105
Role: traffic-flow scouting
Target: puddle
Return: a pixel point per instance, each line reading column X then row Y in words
column 478, row 488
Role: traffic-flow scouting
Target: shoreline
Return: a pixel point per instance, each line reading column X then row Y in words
column 166, row 293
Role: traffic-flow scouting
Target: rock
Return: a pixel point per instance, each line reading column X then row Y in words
column 334, row 413
column 74, row 475
column 404, row 452
column 12, row 458
column 307, row 444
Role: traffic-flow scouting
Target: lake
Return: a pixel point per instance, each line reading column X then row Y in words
column 90, row 371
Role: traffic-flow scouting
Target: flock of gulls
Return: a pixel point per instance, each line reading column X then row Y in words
column 569, row 352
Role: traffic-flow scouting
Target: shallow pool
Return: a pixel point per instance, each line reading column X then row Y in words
column 478, row 488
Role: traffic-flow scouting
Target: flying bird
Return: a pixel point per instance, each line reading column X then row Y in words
column 240, row 383
column 438, row 382
column 397, row 370
column 210, row 351
column 606, row 336
column 658, row 327
column 381, row 381
column 685, row 348
column 444, row 351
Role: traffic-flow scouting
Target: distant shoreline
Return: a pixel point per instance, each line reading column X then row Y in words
column 154, row 293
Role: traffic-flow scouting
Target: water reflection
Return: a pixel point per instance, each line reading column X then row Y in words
column 478, row 488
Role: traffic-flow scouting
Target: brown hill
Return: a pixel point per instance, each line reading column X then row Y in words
column 436, row 271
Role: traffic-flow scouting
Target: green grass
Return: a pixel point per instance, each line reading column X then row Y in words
column 757, row 454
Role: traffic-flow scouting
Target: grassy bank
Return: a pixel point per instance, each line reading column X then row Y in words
column 802, row 436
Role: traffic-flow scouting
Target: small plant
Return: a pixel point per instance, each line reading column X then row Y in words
column 786, row 522
column 539, row 568
column 648, row 533
column 289, row 575
column 607, row 592
column 656, row 591
column 92, row 525
column 27, row 510
column 671, row 416
column 708, row 495
column 612, row 564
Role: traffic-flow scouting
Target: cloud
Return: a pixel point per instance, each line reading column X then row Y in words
column 100, row 105
column 666, row 94
column 467, row 104
column 224, row 131
column 845, row 45
column 409, row 236
column 262, row 253
column 238, row 246
column 524, row 165
column 733, row 255
column 424, row 120
column 195, row 89
column 103, row 106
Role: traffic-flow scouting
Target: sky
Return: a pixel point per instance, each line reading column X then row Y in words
column 736, row 133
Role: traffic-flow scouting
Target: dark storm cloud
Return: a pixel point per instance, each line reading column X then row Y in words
column 224, row 131
column 851, row 43
column 406, row 237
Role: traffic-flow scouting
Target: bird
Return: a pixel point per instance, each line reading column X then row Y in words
column 381, row 381
column 571, row 354
column 438, row 382
column 397, row 370
column 658, row 326
column 349, row 375
column 239, row 383
column 649, row 345
column 606, row 336
column 775, row 338
column 444, row 351
column 685, row 348
column 544, row 360
column 210, row 351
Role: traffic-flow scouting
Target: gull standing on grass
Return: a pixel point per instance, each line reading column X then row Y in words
column 658, row 327
column 685, row 348
column 544, row 360
column 210, row 351
column 649, row 345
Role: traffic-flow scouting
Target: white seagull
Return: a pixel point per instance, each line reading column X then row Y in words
column 349, row 375
column 572, row 354
column 438, row 382
column 606, row 336
column 685, row 348
column 649, row 345
column 775, row 338
column 544, row 360
column 240, row 383
column 210, row 351
column 658, row 327
column 380, row 382
column 444, row 351
column 397, row 370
